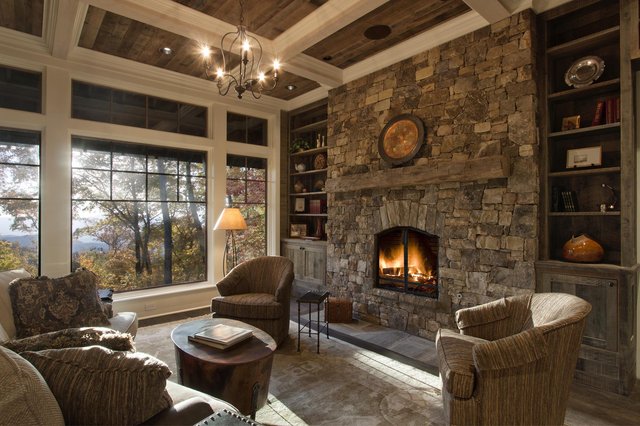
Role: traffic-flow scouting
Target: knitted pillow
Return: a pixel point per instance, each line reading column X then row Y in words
column 74, row 338
column 25, row 398
column 43, row 304
column 95, row 385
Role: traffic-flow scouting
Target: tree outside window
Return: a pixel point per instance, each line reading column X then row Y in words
column 19, row 200
column 138, row 213
column 247, row 186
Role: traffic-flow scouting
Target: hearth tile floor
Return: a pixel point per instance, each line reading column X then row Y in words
column 399, row 345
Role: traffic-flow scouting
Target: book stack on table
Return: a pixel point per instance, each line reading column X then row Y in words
column 221, row 336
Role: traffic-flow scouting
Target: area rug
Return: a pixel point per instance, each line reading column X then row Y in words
column 343, row 385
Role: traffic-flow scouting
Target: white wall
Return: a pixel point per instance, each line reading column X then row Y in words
column 57, row 128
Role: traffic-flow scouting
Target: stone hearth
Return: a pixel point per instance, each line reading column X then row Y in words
column 477, row 175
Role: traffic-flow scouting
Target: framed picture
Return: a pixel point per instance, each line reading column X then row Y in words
column 298, row 207
column 298, row 230
column 584, row 157
column 570, row 123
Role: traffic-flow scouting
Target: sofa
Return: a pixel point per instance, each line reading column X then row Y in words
column 512, row 362
column 85, row 375
column 126, row 322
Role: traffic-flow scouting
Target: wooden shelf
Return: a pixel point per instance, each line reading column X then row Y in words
column 310, row 127
column 575, row 214
column 309, row 172
column 601, row 37
column 591, row 90
column 586, row 172
column 309, row 152
column 583, row 130
column 306, row 194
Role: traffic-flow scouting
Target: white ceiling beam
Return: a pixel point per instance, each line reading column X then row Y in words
column 314, row 69
column 307, row 98
column 491, row 10
column 321, row 23
column 443, row 33
column 540, row 6
column 67, row 20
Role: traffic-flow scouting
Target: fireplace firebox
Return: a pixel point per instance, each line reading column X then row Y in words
column 407, row 261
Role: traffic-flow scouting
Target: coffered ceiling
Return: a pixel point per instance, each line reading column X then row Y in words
column 321, row 43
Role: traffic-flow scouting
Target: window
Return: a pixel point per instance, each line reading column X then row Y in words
column 98, row 103
column 20, row 89
column 139, row 213
column 247, row 186
column 19, row 200
column 245, row 129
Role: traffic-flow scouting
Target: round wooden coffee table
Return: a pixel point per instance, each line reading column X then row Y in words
column 239, row 375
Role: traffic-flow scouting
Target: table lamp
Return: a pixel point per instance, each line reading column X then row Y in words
column 230, row 220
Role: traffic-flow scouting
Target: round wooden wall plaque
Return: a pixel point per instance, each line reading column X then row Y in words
column 401, row 139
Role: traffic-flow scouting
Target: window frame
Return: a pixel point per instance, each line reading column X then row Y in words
column 148, row 151
column 38, row 137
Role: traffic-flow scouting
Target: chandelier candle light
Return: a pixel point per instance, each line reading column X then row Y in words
column 247, row 76
column 230, row 220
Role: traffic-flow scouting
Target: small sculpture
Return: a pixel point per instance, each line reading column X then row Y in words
column 613, row 200
column 582, row 249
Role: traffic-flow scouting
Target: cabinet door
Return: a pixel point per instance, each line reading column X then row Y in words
column 296, row 254
column 601, row 327
column 315, row 264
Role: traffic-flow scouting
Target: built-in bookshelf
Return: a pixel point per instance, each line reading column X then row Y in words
column 588, row 176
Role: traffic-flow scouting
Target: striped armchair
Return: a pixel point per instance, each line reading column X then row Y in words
column 513, row 360
column 258, row 292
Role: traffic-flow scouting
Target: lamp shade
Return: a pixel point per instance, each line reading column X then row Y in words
column 231, row 219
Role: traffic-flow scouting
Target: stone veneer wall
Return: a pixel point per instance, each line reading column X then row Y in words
column 477, row 98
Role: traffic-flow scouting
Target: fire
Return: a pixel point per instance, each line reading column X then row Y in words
column 391, row 263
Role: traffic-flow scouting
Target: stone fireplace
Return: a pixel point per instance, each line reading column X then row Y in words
column 407, row 261
column 473, row 185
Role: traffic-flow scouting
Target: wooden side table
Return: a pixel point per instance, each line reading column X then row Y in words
column 312, row 298
column 239, row 375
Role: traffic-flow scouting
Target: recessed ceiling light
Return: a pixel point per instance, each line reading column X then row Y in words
column 166, row 50
column 327, row 58
column 377, row 32
column 291, row 87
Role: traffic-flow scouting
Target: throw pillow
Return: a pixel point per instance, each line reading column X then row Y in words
column 3, row 335
column 74, row 338
column 6, row 312
column 25, row 398
column 95, row 385
column 43, row 304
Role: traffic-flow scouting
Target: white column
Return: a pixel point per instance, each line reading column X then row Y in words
column 55, row 196
column 217, row 191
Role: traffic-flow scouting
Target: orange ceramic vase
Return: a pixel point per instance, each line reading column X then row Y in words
column 582, row 249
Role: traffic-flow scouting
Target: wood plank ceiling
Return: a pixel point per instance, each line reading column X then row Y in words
column 22, row 15
column 113, row 34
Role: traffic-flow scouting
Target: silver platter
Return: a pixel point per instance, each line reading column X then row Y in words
column 584, row 71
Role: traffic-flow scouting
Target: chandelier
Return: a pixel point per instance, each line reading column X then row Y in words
column 245, row 76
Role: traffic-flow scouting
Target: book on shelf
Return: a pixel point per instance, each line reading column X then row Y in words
column 597, row 117
column 569, row 201
column 221, row 336
column 315, row 206
column 612, row 110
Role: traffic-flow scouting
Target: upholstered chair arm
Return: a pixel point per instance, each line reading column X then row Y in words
column 233, row 283
column 513, row 351
column 495, row 320
column 283, row 290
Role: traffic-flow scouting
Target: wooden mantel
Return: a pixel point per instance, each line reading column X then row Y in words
column 427, row 171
